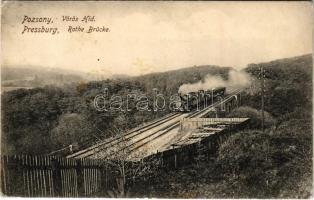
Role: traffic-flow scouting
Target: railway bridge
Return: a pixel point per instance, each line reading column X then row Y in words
column 154, row 137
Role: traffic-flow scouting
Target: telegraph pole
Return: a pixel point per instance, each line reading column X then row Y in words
column 262, row 93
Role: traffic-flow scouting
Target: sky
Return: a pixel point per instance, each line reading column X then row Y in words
column 158, row 36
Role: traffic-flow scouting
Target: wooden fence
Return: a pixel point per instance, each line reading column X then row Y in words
column 43, row 176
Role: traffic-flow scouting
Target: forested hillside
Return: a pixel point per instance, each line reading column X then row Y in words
column 276, row 163
column 169, row 82
column 42, row 120
column 36, row 77
column 288, row 83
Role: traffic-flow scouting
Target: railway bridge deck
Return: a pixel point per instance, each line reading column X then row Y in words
column 154, row 137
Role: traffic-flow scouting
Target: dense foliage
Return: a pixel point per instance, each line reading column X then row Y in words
column 276, row 163
column 251, row 163
column 288, row 85
column 254, row 115
column 35, row 121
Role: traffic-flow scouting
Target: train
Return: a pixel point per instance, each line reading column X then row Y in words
column 200, row 99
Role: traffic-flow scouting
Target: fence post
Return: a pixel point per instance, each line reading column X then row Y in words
column 3, row 175
column 80, row 178
column 56, row 177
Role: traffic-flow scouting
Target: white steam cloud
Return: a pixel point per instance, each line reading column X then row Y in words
column 236, row 80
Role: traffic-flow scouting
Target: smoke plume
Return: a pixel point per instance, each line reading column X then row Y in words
column 236, row 80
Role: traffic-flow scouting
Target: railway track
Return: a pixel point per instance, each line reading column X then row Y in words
column 176, row 124
column 167, row 128
column 119, row 139
column 142, row 140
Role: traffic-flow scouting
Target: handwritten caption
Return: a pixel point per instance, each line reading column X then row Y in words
column 74, row 24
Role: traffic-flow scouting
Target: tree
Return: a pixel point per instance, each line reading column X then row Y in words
column 254, row 115
column 71, row 128
column 127, row 170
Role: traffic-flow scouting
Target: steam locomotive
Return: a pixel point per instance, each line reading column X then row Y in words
column 199, row 99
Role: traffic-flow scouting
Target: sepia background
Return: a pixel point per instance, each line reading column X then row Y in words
column 253, row 140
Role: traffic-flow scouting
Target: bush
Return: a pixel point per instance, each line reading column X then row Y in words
column 254, row 115
column 71, row 128
column 267, row 165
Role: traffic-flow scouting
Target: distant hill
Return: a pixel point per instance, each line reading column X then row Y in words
column 28, row 77
column 298, row 68
column 37, row 77
column 170, row 81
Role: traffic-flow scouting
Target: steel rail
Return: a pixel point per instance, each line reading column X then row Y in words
column 172, row 125
column 176, row 124
column 137, row 131
column 140, row 130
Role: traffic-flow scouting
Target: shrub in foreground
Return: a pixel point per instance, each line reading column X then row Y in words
column 265, row 165
column 254, row 115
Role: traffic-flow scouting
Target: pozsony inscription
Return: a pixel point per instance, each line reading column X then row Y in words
column 55, row 25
